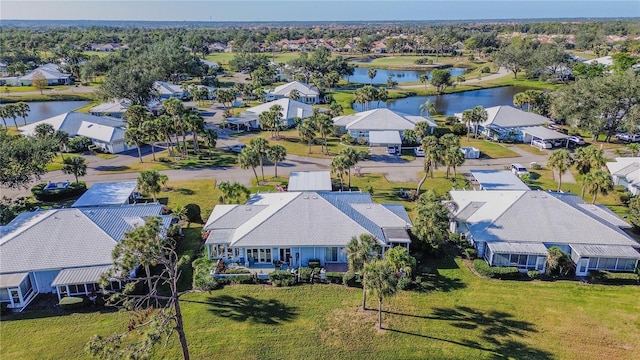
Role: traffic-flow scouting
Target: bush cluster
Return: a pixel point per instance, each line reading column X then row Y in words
column 335, row 277
column 533, row 274
column 282, row 278
column 350, row 279
column 73, row 302
column 482, row 268
column 193, row 213
column 610, row 277
column 72, row 190
column 459, row 129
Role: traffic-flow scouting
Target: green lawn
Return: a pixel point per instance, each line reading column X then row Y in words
column 206, row 159
column 224, row 58
column 461, row 317
column 489, row 149
column 296, row 146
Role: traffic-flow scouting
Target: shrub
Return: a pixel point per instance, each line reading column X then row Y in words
column 439, row 131
column 72, row 190
column 404, row 283
column 347, row 139
column 164, row 159
column 72, row 302
column 282, row 278
column 451, row 120
column 236, row 271
column 349, row 279
column 193, row 213
column 304, row 273
column 459, row 129
column 362, row 141
column 314, row 263
column 482, row 268
column 4, row 309
column 335, row 277
column 79, row 144
column 204, row 281
column 471, row 253
column 536, row 166
column 241, row 279
column 485, row 70
column 533, row 274
column 609, row 277
column 625, row 197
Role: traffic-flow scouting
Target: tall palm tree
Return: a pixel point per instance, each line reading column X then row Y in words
column 519, row 100
column 453, row 157
column 467, row 119
column 351, row 157
column 424, row 78
column 194, row 123
column 23, row 110
column 166, row 128
column 249, row 158
column 275, row 154
column 588, row 158
column 44, row 130
column 429, row 146
column 598, row 181
column 324, row 125
column 151, row 130
column 12, row 112
column 480, row 115
column 136, row 116
column 371, row 74
column 380, row 280
column 422, row 129
column 276, row 118
column 4, row 115
column 174, row 108
column 62, row 138
column 339, row 166
column 260, row 147
column 149, row 182
column 428, row 107
column 561, row 161
column 635, row 149
column 360, row 251
column 75, row 165
column 307, row 131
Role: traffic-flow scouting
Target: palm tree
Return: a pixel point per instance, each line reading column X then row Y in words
column 429, row 146
column 151, row 130
column 248, row 158
column 519, row 100
column 422, row 129
column 351, row 157
column 166, row 128
column 324, row 125
column 467, row 119
column 588, row 158
column 275, row 154
column 232, row 193
column 635, row 149
column 400, row 260
column 174, row 108
column 62, row 138
column 424, row 78
column 276, row 118
column 195, row 124
column 260, row 147
column 210, row 138
column 294, row 94
column 75, row 165
column 428, row 107
column 409, row 136
column 149, row 182
column 360, row 251
column 339, row 166
column 453, row 157
column 44, row 130
column 598, row 181
column 561, row 161
column 307, row 131
column 12, row 112
column 479, row 116
column 380, row 280
column 4, row 115
column 136, row 116
column 23, row 110
column 371, row 74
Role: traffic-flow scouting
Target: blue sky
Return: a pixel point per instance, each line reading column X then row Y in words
column 313, row 10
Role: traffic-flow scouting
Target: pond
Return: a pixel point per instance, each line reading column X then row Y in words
column 448, row 104
column 41, row 110
column 361, row 75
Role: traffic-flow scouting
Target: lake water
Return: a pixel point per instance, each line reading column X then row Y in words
column 45, row 109
column 448, row 104
column 360, row 75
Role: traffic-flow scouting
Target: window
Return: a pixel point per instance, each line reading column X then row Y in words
column 76, row 289
column 259, row 255
column 331, row 254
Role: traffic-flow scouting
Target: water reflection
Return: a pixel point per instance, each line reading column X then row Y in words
column 361, row 75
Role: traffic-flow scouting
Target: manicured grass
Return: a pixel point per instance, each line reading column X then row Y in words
column 197, row 191
column 224, row 58
column 297, row 146
column 489, row 149
column 18, row 89
column 462, row 317
column 531, row 149
column 205, row 159
column 106, row 156
column 17, row 97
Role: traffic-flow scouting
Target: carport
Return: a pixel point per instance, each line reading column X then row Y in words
column 542, row 133
column 385, row 138
column 248, row 120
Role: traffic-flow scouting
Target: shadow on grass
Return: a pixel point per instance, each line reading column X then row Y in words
column 112, row 168
column 249, row 309
column 436, row 282
column 496, row 328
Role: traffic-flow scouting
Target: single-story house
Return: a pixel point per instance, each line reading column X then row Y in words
column 307, row 94
column 376, row 125
column 50, row 72
column 117, row 107
column 606, row 61
column 497, row 180
column 107, row 194
column 625, row 171
column 167, row 91
column 295, row 227
column 106, row 133
column 509, row 123
column 63, row 251
column 291, row 110
column 517, row 227
column 211, row 64
column 309, row 181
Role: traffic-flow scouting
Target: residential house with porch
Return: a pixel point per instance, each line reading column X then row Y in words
column 295, row 227
column 291, row 110
column 50, row 72
column 307, row 94
column 517, row 227
column 625, row 171
column 63, row 251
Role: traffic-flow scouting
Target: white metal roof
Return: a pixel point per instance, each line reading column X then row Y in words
column 102, row 128
column 385, row 137
column 290, row 108
column 498, row 180
column 380, row 119
column 84, row 275
column 609, row 251
column 543, row 133
column 507, row 116
column 12, row 280
column 303, row 89
column 49, row 71
column 309, row 181
column 503, row 247
column 111, row 193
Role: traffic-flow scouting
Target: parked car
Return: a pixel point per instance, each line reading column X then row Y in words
column 623, row 136
column 576, row 140
column 519, row 169
column 237, row 148
column 418, row 151
column 558, row 142
column 391, row 150
column 541, row 144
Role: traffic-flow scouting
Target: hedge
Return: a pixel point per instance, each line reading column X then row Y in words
column 72, row 190
column 533, row 274
column 614, row 277
column 482, row 268
column 72, row 302
column 282, row 278
column 334, row 277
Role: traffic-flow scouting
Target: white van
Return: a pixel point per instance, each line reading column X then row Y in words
column 519, row 169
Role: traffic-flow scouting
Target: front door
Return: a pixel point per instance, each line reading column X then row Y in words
column 285, row 255
column 582, row 266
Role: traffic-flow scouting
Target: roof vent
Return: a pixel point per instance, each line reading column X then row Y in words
column 247, row 208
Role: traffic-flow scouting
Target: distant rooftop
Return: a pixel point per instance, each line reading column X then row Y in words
column 309, row 181
column 498, row 180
